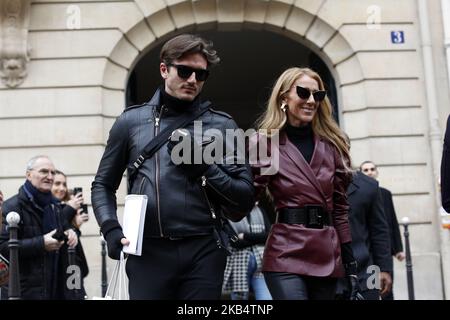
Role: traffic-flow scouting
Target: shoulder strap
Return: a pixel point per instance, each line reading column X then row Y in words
column 157, row 142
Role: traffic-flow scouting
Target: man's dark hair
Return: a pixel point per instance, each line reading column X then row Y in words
column 366, row 162
column 187, row 44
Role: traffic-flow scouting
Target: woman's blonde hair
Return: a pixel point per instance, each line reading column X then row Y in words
column 323, row 124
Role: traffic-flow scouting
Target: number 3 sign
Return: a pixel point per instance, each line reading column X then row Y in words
column 397, row 37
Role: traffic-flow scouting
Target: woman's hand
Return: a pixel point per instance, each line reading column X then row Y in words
column 76, row 201
column 80, row 218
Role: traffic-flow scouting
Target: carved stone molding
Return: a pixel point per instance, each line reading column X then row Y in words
column 14, row 47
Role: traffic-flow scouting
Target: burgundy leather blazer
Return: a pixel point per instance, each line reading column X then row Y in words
column 293, row 248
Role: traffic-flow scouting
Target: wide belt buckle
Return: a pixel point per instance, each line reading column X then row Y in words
column 314, row 217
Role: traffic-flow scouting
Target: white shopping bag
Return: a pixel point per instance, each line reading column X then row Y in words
column 133, row 222
column 118, row 285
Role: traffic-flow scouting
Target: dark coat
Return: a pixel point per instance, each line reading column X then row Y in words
column 370, row 233
column 294, row 248
column 176, row 205
column 392, row 222
column 445, row 170
column 68, row 213
column 34, row 262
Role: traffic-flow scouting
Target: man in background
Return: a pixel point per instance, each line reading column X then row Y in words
column 41, row 247
column 370, row 169
column 370, row 238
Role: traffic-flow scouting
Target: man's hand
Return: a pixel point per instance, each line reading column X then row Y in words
column 115, row 240
column 50, row 243
column 385, row 283
column 72, row 238
column 400, row 256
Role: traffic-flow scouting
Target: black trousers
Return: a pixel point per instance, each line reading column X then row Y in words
column 185, row 269
column 290, row 286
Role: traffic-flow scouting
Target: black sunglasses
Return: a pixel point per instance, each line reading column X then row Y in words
column 305, row 94
column 184, row 72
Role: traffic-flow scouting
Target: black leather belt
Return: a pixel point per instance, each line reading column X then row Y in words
column 312, row 216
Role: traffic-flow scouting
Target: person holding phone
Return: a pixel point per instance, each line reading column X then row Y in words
column 82, row 212
column 41, row 267
column 74, row 213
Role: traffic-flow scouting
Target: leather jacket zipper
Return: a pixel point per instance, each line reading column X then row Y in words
column 205, row 182
column 157, row 123
column 211, row 209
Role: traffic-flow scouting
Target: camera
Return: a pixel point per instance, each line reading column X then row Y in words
column 77, row 190
column 60, row 235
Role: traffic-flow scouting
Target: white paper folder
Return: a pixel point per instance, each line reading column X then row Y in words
column 133, row 222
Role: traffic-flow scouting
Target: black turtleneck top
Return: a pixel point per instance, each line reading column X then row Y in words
column 303, row 139
column 176, row 105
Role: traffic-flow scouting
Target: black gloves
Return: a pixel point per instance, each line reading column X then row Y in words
column 351, row 272
column 112, row 232
column 188, row 165
column 354, row 289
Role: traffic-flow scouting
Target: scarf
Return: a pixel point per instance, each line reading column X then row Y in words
column 44, row 200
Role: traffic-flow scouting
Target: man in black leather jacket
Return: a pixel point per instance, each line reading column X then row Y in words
column 180, row 256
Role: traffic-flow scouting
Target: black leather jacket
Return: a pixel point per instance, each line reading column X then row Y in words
column 177, row 206
column 34, row 265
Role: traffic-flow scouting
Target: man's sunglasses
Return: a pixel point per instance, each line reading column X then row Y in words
column 184, row 72
column 305, row 94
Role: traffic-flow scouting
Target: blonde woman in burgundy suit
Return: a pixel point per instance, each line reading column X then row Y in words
column 309, row 246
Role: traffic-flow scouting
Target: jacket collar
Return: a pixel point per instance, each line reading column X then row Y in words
column 354, row 185
column 26, row 202
column 156, row 99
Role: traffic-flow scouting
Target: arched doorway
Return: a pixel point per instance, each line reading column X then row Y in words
column 241, row 84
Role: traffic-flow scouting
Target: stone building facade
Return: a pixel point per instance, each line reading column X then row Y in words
column 65, row 68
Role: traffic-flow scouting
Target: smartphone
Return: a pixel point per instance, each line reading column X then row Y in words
column 84, row 209
column 77, row 190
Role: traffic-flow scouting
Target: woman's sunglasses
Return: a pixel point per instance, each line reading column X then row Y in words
column 304, row 93
column 184, row 72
